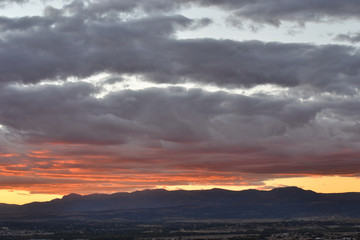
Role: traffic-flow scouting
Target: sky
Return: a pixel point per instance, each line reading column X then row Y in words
column 103, row 96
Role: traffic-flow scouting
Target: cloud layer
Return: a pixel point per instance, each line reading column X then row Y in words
column 58, row 47
column 63, row 125
column 275, row 12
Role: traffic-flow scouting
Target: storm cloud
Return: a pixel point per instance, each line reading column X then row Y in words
column 34, row 49
column 275, row 12
column 173, row 114
column 350, row 37
column 216, row 111
column 183, row 123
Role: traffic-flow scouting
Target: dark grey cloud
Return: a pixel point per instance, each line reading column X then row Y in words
column 70, row 47
column 178, row 118
column 272, row 12
column 350, row 37
column 275, row 12
column 65, row 133
column 24, row 23
column 326, row 68
column 57, row 47
column 85, row 38
column 102, row 8
column 43, row 114
column 310, row 128
column 158, row 130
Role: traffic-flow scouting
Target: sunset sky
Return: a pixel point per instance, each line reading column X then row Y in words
column 103, row 96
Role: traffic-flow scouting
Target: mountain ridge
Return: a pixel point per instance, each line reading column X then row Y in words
column 284, row 203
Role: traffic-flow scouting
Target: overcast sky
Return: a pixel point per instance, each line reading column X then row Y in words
column 121, row 95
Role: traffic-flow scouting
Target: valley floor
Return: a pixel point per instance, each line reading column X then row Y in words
column 309, row 229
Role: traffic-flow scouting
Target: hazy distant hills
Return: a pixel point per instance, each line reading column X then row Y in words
column 150, row 205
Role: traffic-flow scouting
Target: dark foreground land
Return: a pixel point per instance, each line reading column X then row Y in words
column 344, row 229
column 161, row 205
column 208, row 214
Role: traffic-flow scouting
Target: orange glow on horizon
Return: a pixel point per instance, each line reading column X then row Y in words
column 22, row 197
column 320, row 184
column 51, row 173
column 45, row 192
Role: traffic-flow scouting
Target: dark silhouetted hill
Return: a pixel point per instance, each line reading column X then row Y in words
column 280, row 203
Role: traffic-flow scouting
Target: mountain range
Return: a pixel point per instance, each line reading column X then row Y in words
column 163, row 205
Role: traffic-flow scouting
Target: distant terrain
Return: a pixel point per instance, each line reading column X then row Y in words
column 161, row 205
